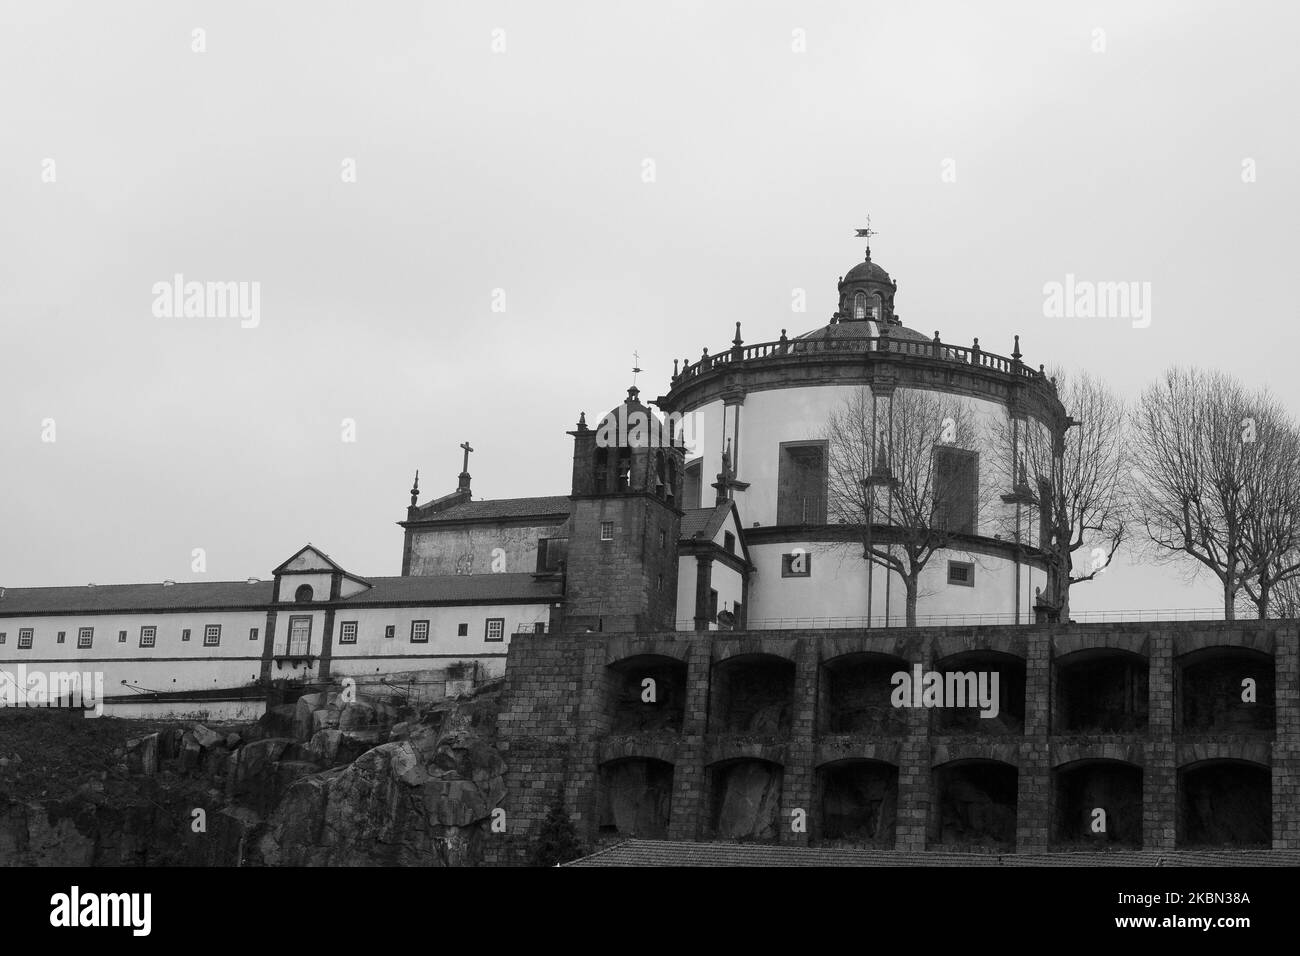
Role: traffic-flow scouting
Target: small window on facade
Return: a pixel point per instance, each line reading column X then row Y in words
column 713, row 604
column 85, row 636
column 495, row 629
column 539, row 627
column 462, row 630
column 211, row 635
column 796, row 564
column 348, row 632
column 121, row 637
column 390, row 630
column 300, row 635
column 860, row 305
column 607, row 531
column 304, row 593
column 63, row 636
column 148, row 636
column 185, row 634
column 961, row 572
column 419, row 632
column 25, row 635
column 729, row 542
column 252, row 633
column 663, row 538
column 3, row 637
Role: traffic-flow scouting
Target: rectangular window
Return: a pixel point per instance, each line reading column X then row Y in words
column 25, row 635
column 713, row 604
column 390, row 630
column 63, row 636
column 691, row 484
column 211, row 635
column 663, row 539
column 801, row 482
column 121, row 637
column 419, row 632
column 348, row 632
column 551, row 553
column 539, row 627
column 961, row 572
column 495, row 629
column 252, row 633
column 300, row 635
column 148, row 636
column 796, row 564
column 462, row 630
column 607, row 531
column 185, row 634
column 3, row 637
column 955, row 471
column 729, row 542
column 85, row 636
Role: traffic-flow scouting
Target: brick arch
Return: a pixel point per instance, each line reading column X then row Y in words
column 1002, row 642
column 999, row 753
column 784, row 648
column 832, row 753
column 1258, row 638
column 907, row 648
column 1063, row 757
column 1258, row 641
column 1065, row 645
column 724, row 751
column 1190, row 755
column 625, row 748
column 622, row 648
column 1078, row 654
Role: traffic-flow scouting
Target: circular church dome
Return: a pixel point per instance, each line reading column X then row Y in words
column 867, row 271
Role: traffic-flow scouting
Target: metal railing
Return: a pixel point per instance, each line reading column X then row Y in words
column 971, row 620
column 940, row 351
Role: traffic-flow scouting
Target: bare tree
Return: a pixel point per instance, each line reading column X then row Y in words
column 1214, row 480
column 886, row 466
column 1083, row 498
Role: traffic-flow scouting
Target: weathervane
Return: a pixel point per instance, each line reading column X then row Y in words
column 636, row 361
column 867, row 233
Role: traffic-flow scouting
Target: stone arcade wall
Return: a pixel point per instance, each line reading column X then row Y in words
column 566, row 694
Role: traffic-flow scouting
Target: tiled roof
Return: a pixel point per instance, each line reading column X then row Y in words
column 706, row 520
column 457, row 587
column 236, row 594
column 129, row 597
column 549, row 506
column 678, row 853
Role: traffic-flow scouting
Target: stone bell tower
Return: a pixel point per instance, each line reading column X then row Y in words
column 621, row 573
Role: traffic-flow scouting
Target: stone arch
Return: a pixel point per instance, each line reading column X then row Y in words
column 1212, row 696
column 856, row 802
column 1097, row 804
column 1009, row 717
column 646, row 693
column 636, row 797
column 752, row 694
column 855, row 694
column 1224, row 802
column 974, row 804
column 1100, row 690
column 745, row 799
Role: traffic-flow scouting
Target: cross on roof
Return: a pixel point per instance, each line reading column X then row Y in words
column 465, row 445
column 636, row 361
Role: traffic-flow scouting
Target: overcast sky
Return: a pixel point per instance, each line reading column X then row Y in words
column 503, row 146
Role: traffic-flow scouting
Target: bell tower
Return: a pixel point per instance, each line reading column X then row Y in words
column 621, row 573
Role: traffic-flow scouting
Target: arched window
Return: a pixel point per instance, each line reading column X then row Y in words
column 860, row 305
column 878, row 308
column 304, row 593
column 601, row 477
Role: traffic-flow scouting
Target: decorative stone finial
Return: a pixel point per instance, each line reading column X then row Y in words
column 1015, row 353
column 415, row 488
column 737, row 340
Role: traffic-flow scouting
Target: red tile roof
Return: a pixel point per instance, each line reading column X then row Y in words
column 680, row 853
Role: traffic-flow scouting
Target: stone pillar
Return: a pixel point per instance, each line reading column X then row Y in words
column 1286, row 742
column 1159, row 774
column 688, row 774
column 593, row 722
column 703, row 583
column 796, row 781
column 1034, row 796
column 915, row 775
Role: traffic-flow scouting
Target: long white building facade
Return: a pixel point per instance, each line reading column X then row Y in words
column 739, row 501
